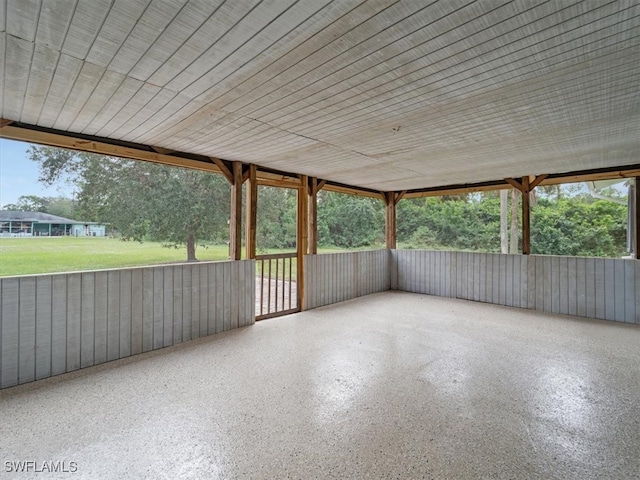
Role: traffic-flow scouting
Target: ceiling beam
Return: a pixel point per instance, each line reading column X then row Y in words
column 269, row 177
column 101, row 146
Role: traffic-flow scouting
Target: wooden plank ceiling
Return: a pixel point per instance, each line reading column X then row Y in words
column 383, row 94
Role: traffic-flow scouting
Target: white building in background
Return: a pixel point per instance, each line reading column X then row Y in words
column 38, row 224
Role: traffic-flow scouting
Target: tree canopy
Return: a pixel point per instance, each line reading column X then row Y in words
column 142, row 200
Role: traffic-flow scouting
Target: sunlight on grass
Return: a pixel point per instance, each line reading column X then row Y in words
column 22, row 256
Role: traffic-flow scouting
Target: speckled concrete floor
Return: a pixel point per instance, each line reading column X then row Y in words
column 394, row 385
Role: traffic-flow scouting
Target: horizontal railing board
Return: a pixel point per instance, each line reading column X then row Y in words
column 603, row 288
column 336, row 277
column 52, row 324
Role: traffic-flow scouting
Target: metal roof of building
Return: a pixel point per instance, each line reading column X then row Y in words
column 39, row 217
column 383, row 94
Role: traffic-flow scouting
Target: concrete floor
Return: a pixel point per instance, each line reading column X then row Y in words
column 393, row 385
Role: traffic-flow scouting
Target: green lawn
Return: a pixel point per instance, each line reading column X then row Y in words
column 32, row 255
column 22, row 256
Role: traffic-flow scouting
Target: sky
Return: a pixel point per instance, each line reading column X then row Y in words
column 19, row 175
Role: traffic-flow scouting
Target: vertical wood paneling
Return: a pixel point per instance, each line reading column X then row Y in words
column 158, row 307
column 581, row 287
column 113, row 315
column 572, row 285
column 234, row 315
column 619, row 288
column 518, row 267
column 630, row 291
column 591, row 287
column 27, row 338
column 591, row 302
column 532, row 284
column 521, row 266
column 58, row 324
column 211, row 294
column 195, row 299
column 43, row 327
column 101, row 287
column 227, row 297
column 509, row 280
column 74, row 302
column 52, row 324
column 554, row 264
column 483, row 277
column 609, row 289
column 125, row 313
column 88, row 320
column 10, row 331
column 167, row 308
column 250, row 287
column 539, row 279
column 563, row 280
column 177, row 304
column 204, row 297
column 458, row 274
column 595, row 272
column 494, row 272
column 393, row 269
column 337, row 277
column 147, row 309
column 186, row 303
column 137, row 316
column 547, row 284
column 465, row 273
column 219, row 298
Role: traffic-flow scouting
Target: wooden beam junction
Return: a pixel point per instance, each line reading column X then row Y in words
column 225, row 168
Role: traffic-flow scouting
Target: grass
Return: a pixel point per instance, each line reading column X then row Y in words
column 33, row 255
column 23, row 256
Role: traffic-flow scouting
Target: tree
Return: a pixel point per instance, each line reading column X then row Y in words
column 276, row 226
column 349, row 221
column 29, row 203
column 141, row 200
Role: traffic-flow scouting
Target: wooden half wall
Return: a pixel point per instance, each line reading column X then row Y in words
column 53, row 324
column 336, row 277
column 602, row 288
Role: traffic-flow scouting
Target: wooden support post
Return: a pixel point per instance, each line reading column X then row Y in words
column 235, row 220
column 252, row 212
column 526, row 185
column 302, row 234
column 313, row 216
column 636, row 205
column 526, row 217
column 390, row 219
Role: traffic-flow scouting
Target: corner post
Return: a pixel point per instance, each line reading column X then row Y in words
column 302, row 236
column 526, row 217
column 390, row 219
column 313, row 215
column 251, row 212
column 235, row 220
